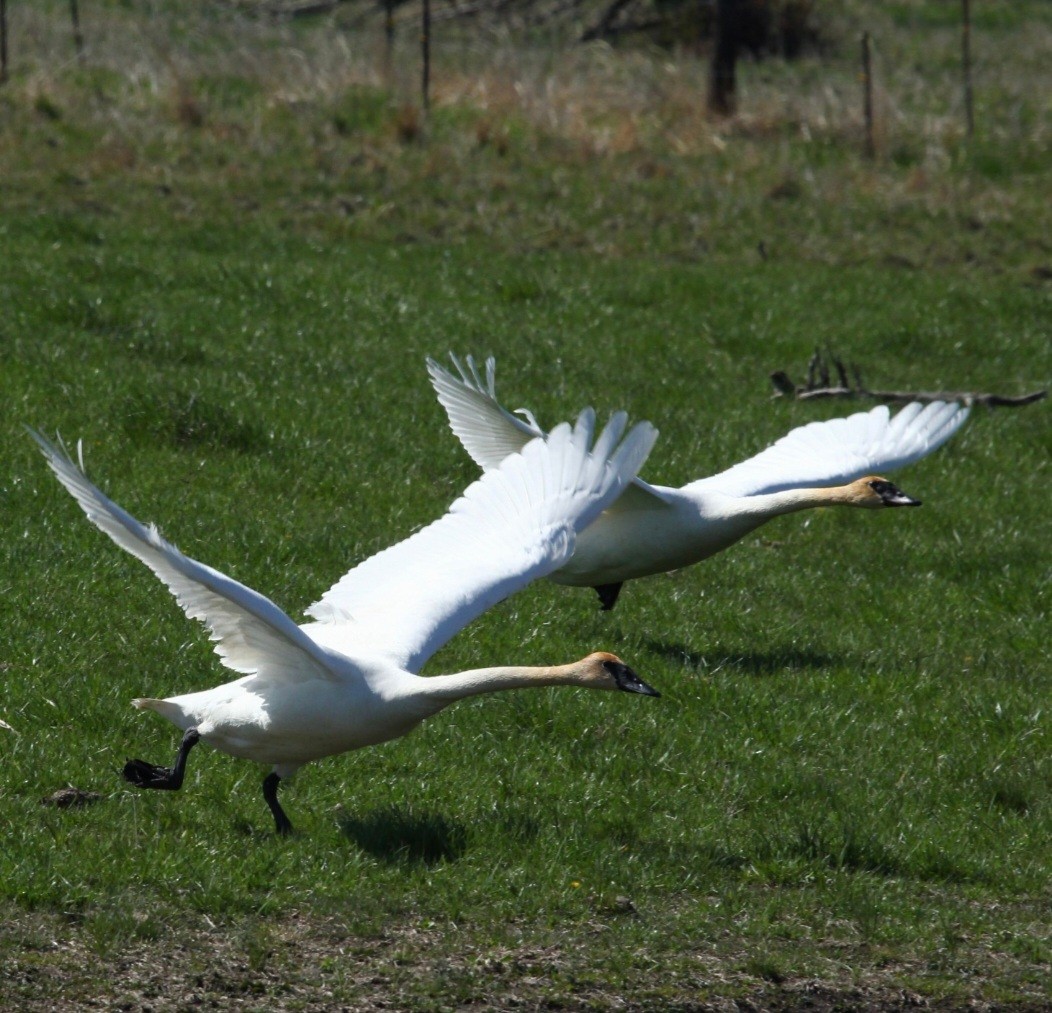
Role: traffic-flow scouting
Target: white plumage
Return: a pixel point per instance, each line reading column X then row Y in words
column 652, row 529
column 348, row 679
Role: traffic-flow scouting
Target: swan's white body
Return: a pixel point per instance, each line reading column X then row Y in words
column 348, row 678
column 652, row 529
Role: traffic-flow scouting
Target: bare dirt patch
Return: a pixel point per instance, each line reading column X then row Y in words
column 311, row 964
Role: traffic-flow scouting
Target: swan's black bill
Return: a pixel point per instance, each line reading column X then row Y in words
column 627, row 680
column 891, row 495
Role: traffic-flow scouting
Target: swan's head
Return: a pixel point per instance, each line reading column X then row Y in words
column 874, row 491
column 607, row 671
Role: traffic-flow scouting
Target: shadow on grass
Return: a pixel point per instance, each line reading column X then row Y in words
column 718, row 858
column 398, row 835
column 772, row 662
column 852, row 849
column 188, row 421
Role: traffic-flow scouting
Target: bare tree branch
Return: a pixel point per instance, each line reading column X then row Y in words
column 818, row 385
column 601, row 29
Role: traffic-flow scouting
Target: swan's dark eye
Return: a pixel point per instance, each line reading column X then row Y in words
column 616, row 668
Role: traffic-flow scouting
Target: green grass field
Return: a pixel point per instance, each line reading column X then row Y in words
column 225, row 252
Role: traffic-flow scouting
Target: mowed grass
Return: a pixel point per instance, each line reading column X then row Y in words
column 843, row 793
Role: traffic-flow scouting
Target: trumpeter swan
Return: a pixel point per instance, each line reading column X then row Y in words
column 348, row 679
column 653, row 529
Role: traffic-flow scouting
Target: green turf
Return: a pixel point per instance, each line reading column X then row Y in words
column 846, row 781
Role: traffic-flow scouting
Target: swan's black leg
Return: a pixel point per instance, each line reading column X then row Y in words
column 270, row 793
column 608, row 595
column 149, row 775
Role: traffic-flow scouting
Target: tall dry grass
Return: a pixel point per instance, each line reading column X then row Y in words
column 612, row 100
column 201, row 100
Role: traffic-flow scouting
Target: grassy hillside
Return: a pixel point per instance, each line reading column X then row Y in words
column 226, row 247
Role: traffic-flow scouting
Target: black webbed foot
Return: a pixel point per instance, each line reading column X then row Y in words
column 149, row 775
column 608, row 595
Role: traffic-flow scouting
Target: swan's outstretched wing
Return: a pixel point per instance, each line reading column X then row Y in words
column 252, row 634
column 515, row 524
column 489, row 432
column 840, row 450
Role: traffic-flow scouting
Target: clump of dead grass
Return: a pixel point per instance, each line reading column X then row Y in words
column 613, row 100
column 226, row 74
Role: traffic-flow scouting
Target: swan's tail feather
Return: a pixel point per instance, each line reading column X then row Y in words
column 166, row 708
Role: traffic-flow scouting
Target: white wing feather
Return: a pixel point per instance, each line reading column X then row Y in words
column 490, row 433
column 818, row 454
column 252, row 634
column 515, row 524
column 838, row 451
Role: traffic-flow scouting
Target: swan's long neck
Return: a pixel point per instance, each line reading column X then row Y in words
column 445, row 689
column 788, row 501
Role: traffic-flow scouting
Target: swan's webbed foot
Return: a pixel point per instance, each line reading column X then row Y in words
column 270, row 793
column 608, row 595
column 149, row 775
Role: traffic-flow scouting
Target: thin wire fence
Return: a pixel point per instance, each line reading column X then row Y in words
column 527, row 58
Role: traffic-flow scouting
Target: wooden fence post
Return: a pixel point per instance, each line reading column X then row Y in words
column 870, row 147
column 389, row 33
column 3, row 41
column 966, row 65
column 724, row 58
column 425, row 42
column 78, row 38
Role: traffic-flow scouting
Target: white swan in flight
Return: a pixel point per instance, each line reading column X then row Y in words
column 348, row 679
column 654, row 528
